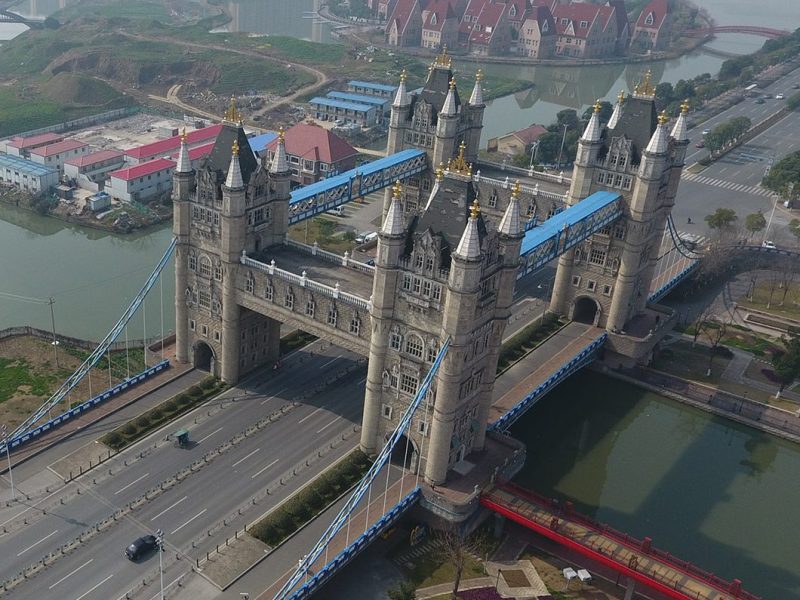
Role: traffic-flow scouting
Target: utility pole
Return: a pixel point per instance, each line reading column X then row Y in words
column 561, row 149
column 160, row 542
column 51, row 302
column 8, row 455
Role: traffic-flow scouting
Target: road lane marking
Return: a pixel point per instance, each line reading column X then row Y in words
column 274, row 395
column 264, row 469
column 70, row 574
column 311, row 415
column 361, row 381
column 329, row 424
column 330, row 362
column 246, row 457
column 49, row 535
column 94, row 588
column 201, row 440
column 119, row 491
column 169, row 508
column 173, row 532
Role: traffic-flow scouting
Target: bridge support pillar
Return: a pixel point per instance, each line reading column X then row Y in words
column 499, row 525
column 630, row 589
column 230, row 337
column 181, row 310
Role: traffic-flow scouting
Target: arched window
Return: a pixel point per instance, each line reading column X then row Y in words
column 414, row 345
column 205, row 266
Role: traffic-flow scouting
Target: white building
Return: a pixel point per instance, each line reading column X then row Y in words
column 27, row 175
column 91, row 170
column 55, row 155
column 141, row 182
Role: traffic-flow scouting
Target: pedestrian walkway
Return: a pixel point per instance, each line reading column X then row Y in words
column 446, row 588
column 753, row 190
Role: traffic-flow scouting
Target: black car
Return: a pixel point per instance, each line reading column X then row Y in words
column 141, row 547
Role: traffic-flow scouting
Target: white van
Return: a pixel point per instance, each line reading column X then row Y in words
column 370, row 237
column 337, row 211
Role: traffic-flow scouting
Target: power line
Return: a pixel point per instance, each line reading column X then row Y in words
column 28, row 299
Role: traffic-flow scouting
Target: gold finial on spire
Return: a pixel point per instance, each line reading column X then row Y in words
column 440, row 172
column 443, row 60
column 459, row 164
column 479, row 75
column 663, row 119
column 597, row 106
column 397, row 190
column 685, row 106
column 232, row 114
column 475, row 209
column 621, row 96
column 515, row 190
column 235, row 148
column 183, row 135
column 453, row 83
column 403, row 76
column 645, row 89
column 282, row 134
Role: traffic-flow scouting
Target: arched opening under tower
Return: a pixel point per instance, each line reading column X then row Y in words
column 585, row 310
column 203, row 357
column 405, row 453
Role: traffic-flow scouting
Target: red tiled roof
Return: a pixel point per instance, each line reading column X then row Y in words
column 576, row 14
column 146, row 168
column 315, row 143
column 489, row 17
column 659, row 9
column 442, row 10
column 520, row 8
column 530, row 134
column 542, row 14
column 58, row 148
column 36, row 140
column 198, row 152
column 401, row 14
column 94, row 157
column 173, row 143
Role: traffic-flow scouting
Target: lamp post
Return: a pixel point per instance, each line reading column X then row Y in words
column 8, row 456
column 561, row 149
column 160, row 542
column 534, row 151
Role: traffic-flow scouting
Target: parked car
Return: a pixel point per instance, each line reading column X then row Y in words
column 700, row 144
column 706, row 132
column 759, row 101
column 141, row 547
column 337, row 210
column 769, row 244
column 796, row 86
column 779, row 96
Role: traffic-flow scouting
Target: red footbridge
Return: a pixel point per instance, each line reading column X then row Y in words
column 766, row 32
column 633, row 558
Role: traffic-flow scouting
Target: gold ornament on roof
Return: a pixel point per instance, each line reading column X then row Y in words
column 235, row 148
column 459, row 164
column 282, row 134
column 663, row 119
column 397, row 190
column 183, row 135
column 444, row 59
column 685, row 106
column 479, row 75
column 475, row 209
column 621, row 96
column 645, row 88
column 453, row 83
column 597, row 106
column 403, row 76
column 440, row 173
column 232, row 115
column 516, row 189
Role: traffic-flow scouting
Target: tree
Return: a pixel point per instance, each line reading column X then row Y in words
column 606, row 110
column 787, row 271
column 549, row 144
column 754, row 223
column 787, row 364
column 404, row 590
column 794, row 228
column 784, row 176
column 567, row 117
column 721, row 219
column 715, row 332
column 456, row 549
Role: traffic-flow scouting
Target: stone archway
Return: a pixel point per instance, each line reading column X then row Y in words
column 405, row 453
column 204, row 358
column 586, row 310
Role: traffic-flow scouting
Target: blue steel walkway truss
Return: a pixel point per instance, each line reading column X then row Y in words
column 324, row 195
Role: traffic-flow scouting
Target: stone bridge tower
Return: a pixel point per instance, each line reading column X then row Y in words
column 437, row 121
column 606, row 279
column 448, row 272
column 231, row 203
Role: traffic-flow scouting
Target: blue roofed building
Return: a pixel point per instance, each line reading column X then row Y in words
column 27, row 175
column 344, row 112
column 259, row 143
column 368, row 88
column 382, row 104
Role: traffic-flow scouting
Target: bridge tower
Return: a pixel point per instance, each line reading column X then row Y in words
column 231, row 203
column 434, row 120
column 606, row 279
column 447, row 272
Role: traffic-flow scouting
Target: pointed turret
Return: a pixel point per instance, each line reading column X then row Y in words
column 393, row 225
column 401, row 98
column 593, row 129
column 449, row 106
column 279, row 162
column 612, row 122
column 679, row 130
column 511, row 224
column 234, row 180
column 659, row 143
column 184, row 164
column 469, row 248
column 476, row 99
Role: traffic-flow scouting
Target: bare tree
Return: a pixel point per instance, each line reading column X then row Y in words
column 787, row 271
column 701, row 322
column 773, row 283
column 714, row 331
column 456, row 548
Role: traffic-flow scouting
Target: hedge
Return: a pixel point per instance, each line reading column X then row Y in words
column 527, row 339
column 165, row 412
column 293, row 341
column 299, row 509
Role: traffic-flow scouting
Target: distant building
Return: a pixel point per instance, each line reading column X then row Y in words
column 27, row 175
column 314, row 153
column 589, row 30
column 196, row 154
column 91, row 170
column 368, row 88
column 537, row 35
column 141, row 182
column 331, row 109
column 490, row 35
column 404, row 25
column 21, row 146
column 653, row 27
column 259, row 143
column 382, row 105
column 99, row 201
column 55, row 155
column 439, row 25
column 517, row 142
column 164, row 148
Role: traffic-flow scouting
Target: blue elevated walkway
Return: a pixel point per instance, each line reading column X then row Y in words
column 568, row 228
column 319, row 197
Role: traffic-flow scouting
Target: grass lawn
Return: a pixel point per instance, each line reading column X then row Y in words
column 432, row 569
column 790, row 308
column 690, row 363
column 18, row 374
column 318, row 230
column 757, row 344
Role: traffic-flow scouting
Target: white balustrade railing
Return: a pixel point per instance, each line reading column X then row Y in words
column 526, row 189
column 303, row 281
column 338, row 259
column 559, row 178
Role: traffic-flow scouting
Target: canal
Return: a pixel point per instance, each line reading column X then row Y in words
column 711, row 491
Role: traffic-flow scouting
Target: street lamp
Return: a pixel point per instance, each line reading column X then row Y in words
column 561, row 149
column 534, row 151
column 8, row 455
column 160, row 542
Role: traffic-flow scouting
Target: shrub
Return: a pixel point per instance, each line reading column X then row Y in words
column 171, row 405
column 143, row 421
column 195, row 392
column 129, row 429
column 156, row 414
column 183, row 399
column 114, row 439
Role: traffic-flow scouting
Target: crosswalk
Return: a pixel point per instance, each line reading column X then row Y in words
column 754, row 190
